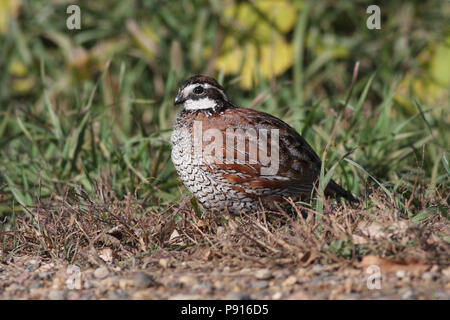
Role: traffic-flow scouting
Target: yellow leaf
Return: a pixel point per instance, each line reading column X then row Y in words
column 17, row 68
column 268, row 52
column 8, row 9
column 230, row 61
column 424, row 89
column 23, row 85
column 440, row 65
column 430, row 85
column 281, row 13
column 249, row 68
column 276, row 57
column 246, row 16
column 261, row 19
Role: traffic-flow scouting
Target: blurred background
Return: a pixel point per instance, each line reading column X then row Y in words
column 96, row 104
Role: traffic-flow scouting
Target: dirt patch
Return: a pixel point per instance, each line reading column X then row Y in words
column 186, row 278
column 111, row 249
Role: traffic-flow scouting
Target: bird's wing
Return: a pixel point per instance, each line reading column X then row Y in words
column 258, row 151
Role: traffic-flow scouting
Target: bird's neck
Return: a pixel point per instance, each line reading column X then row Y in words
column 217, row 107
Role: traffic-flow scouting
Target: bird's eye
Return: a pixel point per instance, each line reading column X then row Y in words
column 198, row 90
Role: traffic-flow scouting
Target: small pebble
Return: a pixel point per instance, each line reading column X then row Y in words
column 202, row 286
column 172, row 284
column 39, row 293
column 301, row 272
column 163, row 262
column 446, row 272
column 56, row 295
column 434, row 268
column 281, row 274
column 73, row 295
column 237, row 296
column 117, row 295
column 143, row 280
column 317, row 268
column 408, row 295
column 109, row 282
column 144, row 295
column 219, row 284
column 101, row 272
column 36, row 285
column 246, row 271
column 317, row 280
column 88, row 284
column 290, row 281
column 352, row 296
column 187, row 281
column 263, row 274
column 441, row 295
column 400, row 273
column 427, row 276
column 277, row 296
column 14, row 287
column 260, row 284
column 31, row 265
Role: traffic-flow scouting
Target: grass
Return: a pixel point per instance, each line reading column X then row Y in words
column 86, row 116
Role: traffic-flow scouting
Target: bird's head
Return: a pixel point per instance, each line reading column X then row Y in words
column 201, row 93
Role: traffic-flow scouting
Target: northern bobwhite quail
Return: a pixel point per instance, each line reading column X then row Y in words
column 222, row 155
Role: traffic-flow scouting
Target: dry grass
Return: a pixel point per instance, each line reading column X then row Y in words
column 75, row 226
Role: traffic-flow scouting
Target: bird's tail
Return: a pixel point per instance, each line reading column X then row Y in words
column 336, row 191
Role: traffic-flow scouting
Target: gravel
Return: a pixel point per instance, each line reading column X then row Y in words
column 49, row 282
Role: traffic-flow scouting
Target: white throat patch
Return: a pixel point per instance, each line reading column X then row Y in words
column 200, row 104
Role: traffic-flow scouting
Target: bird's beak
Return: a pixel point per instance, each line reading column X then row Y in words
column 179, row 98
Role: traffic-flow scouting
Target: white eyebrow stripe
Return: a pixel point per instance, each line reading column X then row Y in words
column 188, row 89
column 200, row 104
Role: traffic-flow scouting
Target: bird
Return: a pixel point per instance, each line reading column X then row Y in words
column 221, row 153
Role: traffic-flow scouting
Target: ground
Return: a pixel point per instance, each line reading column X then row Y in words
column 179, row 277
column 119, row 250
